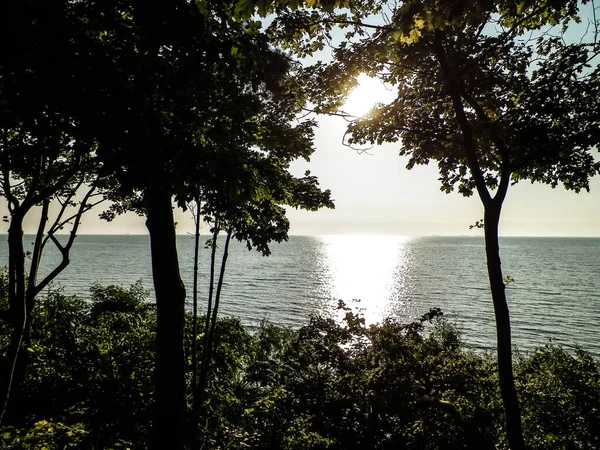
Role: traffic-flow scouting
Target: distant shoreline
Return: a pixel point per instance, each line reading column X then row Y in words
column 357, row 235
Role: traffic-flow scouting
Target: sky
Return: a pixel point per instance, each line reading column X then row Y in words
column 375, row 194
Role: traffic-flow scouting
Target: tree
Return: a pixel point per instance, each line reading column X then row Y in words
column 192, row 110
column 257, row 175
column 488, row 90
column 46, row 163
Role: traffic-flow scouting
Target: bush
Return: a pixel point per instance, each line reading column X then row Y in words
column 43, row 435
column 329, row 385
column 561, row 399
column 90, row 366
column 385, row 386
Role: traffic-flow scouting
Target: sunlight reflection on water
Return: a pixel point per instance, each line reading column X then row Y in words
column 369, row 273
column 555, row 295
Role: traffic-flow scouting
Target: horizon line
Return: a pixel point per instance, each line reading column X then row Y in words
column 357, row 234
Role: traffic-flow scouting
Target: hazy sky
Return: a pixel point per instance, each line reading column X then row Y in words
column 375, row 194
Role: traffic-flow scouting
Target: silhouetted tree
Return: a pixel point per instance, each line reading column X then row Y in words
column 488, row 90
column 46, row 153
column 193, row 107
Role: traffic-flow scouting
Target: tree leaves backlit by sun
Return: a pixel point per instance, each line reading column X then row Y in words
column 493, row 92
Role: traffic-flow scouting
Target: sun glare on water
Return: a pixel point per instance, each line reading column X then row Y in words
column 368, row 92
column 368, row 273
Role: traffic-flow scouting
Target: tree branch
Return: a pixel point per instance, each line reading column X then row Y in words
column 465, row 126
column 64, row 250
column 487, row 122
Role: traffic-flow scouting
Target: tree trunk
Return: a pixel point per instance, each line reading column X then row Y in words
column 169, row 425
column 212, row 323
column 21, row 363
column 195, row 309
column 192, row 422
column 16, row 267
column 204, row 362
column 36, row 257
column 512, row 411
column 215, row 313
column 17, row 305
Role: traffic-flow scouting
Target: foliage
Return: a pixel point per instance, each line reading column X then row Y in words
column 224, row 397
column 328, row 385
column 530, row 103
column 383, row 386
column 44, row 435
column 489, row 91
column 117, row 299
column 200, row 104
column 562, row 394
column 91, row 368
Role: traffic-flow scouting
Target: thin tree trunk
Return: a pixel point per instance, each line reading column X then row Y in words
column 211, row 336
column 192, row 431
column 169, row 425
column 492, row 207
column 512, row 410
column 211, row 287
column 207, row 326
column 36, row 258
column 17, row 305
column 195, row 303
column 16, row 265
column 211, row 325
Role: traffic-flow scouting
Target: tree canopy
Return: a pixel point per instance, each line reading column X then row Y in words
column 167, row 102
column 493, row 92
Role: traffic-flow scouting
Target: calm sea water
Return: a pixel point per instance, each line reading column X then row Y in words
column 555, row 295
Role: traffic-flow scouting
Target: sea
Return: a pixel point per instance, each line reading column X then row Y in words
column 554, row 293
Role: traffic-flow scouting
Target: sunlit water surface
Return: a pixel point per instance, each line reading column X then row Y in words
column 556, row 293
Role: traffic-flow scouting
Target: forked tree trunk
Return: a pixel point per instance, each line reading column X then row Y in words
column 512, row 410
column 492, row 207
column 212, row 316
column 169, row 425
column 18, row 308
column 20, row 357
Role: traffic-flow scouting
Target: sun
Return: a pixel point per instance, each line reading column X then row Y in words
column 364, row 96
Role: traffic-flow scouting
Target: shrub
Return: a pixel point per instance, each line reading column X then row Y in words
column 560, row 393
column 91, row 366
column 384, row 386
column 43, row 434
column 329, row 385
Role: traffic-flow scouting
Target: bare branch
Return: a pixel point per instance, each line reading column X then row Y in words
column 358, row 150
column 53, row 188
column 64, row 250
column 64, row 204
column 355, row 23
column 596, row 24
column 35, row 179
